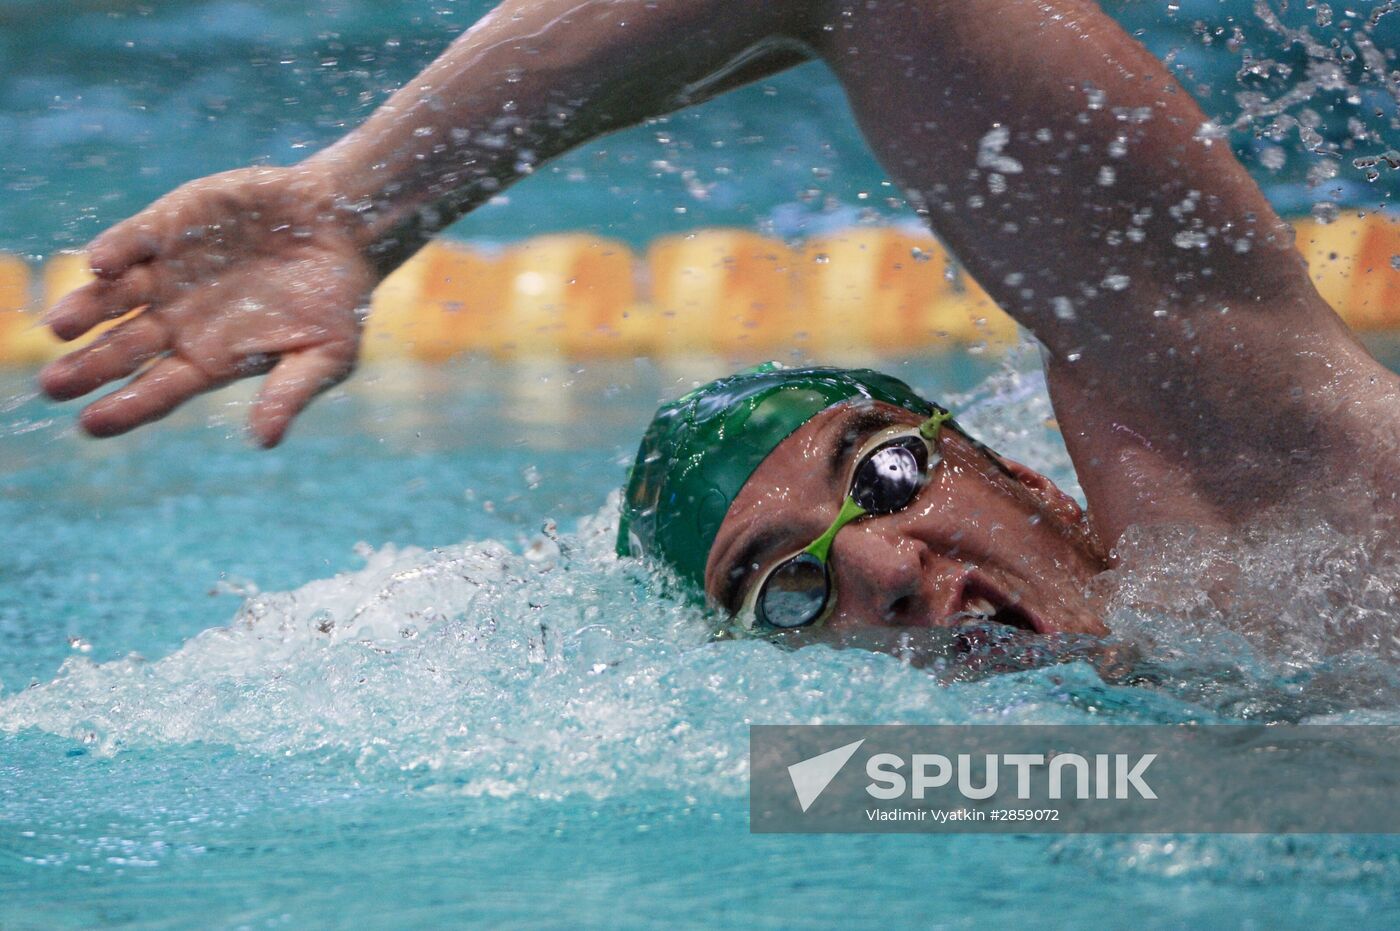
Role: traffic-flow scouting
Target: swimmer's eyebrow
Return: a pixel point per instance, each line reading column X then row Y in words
column 848, row 432
column 853, row 429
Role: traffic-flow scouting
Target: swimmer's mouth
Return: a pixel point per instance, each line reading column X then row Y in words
column 980, row 603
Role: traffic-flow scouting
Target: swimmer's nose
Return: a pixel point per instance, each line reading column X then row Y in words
column 891, row 579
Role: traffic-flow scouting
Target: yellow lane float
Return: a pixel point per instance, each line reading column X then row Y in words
column 854, row 294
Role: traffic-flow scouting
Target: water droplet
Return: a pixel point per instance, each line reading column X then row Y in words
column 1064, row 309
column 821, row 258
column 1273, row 158
column 1210, row 131
column 989, row 152
column 1324, row 212
column 1117, row 282
column 1395, row 262
column 1190, row 239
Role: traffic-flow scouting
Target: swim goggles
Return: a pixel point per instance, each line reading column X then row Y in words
column 890, row 470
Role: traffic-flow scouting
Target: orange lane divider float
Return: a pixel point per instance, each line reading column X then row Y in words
column 23, row 340
column 1355, row 264
column 568, row 295
column 732, row 293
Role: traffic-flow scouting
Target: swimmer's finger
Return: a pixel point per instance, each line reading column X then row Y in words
column 292, row 384
column 104, row 299
column 113, row 355
column 156, row 392
column 124, row 246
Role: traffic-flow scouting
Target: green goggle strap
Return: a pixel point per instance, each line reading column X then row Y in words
column 821, row 546
column 929, row 428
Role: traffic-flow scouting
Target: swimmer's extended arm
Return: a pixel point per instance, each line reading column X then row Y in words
column 265, row 270
column 1057, row 158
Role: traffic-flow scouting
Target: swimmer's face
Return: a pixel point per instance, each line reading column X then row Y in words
column 983, row 538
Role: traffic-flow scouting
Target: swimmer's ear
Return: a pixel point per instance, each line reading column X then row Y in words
column 1044, row 490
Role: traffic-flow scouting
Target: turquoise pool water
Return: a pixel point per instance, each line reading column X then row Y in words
column 390, row 674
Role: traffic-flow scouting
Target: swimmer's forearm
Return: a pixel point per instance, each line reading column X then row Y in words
column 531, row 80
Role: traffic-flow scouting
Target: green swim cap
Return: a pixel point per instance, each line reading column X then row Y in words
column 700, row 450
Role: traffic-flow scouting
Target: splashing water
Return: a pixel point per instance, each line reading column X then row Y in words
column 461, row 651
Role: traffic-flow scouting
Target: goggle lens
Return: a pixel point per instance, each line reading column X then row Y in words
column 795, row 593
column 891, row 475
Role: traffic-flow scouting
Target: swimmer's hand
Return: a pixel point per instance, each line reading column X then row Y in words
column 239, row 274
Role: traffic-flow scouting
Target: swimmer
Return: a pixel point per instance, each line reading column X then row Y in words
column 1197, row 376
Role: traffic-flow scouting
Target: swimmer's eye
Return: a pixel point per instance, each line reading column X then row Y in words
column 891, row 474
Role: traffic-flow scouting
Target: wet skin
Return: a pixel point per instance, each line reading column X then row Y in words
column 982, row 539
